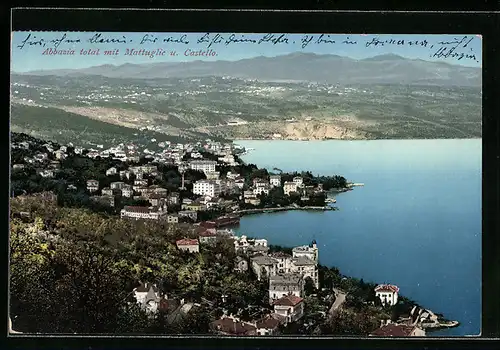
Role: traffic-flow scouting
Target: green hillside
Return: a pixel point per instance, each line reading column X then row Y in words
column 64, row 127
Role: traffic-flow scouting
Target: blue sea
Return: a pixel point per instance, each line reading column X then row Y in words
column 415, row 223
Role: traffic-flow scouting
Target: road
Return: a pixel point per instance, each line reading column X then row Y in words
column 339, row 300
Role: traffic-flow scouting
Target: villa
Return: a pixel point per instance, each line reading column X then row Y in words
column 285, row 284
column 289, row 306
column 189, row 245
column 289, row 187
column 387, row 293
column 92, row 185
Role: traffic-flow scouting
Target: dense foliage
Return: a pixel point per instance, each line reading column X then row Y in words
column 83, row 265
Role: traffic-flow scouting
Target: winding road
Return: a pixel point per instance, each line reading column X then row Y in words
column 339, row 300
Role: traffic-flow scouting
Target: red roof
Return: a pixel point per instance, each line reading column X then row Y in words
column 386, row 288
column 208, row 224
column 268, row 322
column 230, row 326
column 208, row 233
column 187, row 241
column 394, row 330
column 289, row 300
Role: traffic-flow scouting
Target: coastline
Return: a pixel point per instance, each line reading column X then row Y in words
column 277, row 209
column 419, row 316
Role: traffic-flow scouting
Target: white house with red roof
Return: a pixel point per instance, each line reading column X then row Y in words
column 387, row 293
column 289, row 306
column 189, row 245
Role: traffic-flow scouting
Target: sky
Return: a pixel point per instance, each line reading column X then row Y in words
column 29, row 50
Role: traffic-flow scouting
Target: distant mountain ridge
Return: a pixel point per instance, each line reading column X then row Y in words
column 298, row 66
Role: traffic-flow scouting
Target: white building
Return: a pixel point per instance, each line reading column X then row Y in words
column 260, row 242
column 285, row 284
column 118, row 185
column 283, row 262
column 172, row 219
column 289, row 187
column 228, row 159
column 275, row 180
column 60, row 154
column 261, row 190
column 111, row 171
column 307, row 268
column 125, row 174
column 298, row 180
column 208, row 236
column 93, row 185
column 232, row 176
column 387, row 293
column 242, row 244
column 137, row 213
column 189, row 245
column 46, row 173
column 263, row 266
column 203, row 165
column 127, row 192
column 289, row 306
column 140, row 182
column 207, row 188
column 148, row 297
column 310, row 252
column 191, row 214
column 213, row 175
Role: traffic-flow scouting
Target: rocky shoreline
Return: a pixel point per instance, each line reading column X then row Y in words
column 428, row 320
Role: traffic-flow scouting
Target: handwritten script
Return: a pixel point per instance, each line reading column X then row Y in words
column 458, row 47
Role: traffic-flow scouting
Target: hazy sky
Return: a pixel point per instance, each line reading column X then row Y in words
column 30, row 55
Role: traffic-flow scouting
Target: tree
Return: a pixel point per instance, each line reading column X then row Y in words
column 309, row 287
column 345, row 322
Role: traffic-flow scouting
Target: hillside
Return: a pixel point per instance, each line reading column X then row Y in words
column 297, row 97
column 64, row 127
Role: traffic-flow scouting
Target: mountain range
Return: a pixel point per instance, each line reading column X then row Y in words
column 321, row 68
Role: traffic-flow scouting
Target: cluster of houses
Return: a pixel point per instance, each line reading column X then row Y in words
column 263, row 186
column 287, row 309
column 286, row 274
column 159, row 198
column 410, row 327
column 45, row 166
column 167, row 153
column 137, row 182
column 152, row 300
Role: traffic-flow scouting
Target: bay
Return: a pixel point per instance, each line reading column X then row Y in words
column 415, row 223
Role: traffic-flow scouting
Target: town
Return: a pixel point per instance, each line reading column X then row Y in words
column 206, row 187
